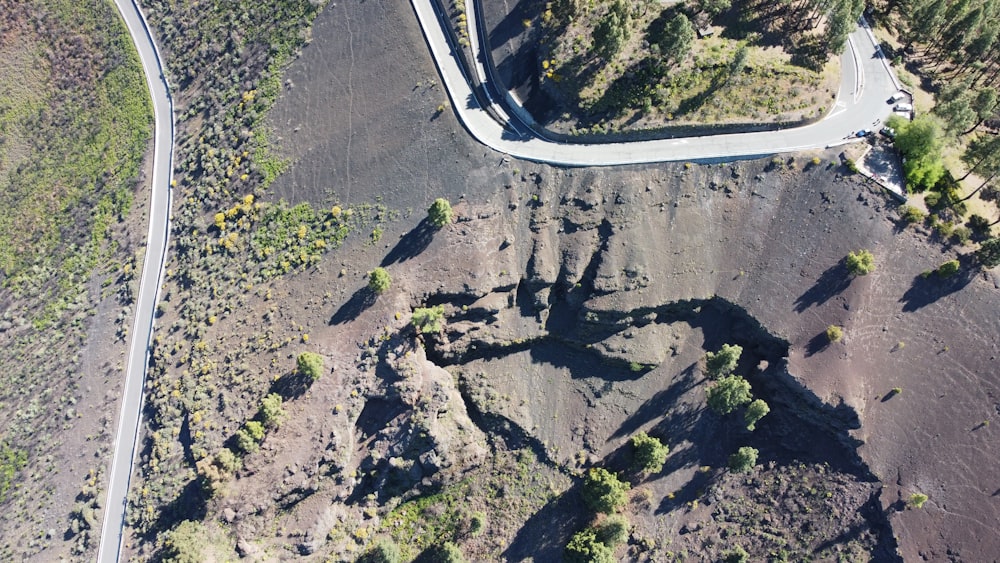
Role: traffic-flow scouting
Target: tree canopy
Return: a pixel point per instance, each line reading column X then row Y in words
column 860, row 263
column 603, row 491
column 310, row 364
column 989, row 253
column 756, row 410
column 379, row 280
column 728, row 394
column 650, row 453
column 723, row 362
column 743, row 460
column 439, row 213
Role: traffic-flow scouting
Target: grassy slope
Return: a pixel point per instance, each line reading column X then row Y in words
column 75, row 120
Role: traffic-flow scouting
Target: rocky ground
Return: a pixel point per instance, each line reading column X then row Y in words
column 578, row 304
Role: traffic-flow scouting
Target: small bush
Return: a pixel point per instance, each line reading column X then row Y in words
column 948, row 269
column 650, row 453
column 271, row 413
column 917, row 500
column 756, row 410
column 310, row 364
column 979, row 225
column 382, row 551
column 584, row 547
column 743, row 460
column 834, row 333
column 379, row 280
column 911, row 214
column 439, row 213
column 449, row 553
column 477, row 523
column 860, row 263
column 603, row 491
column 737, row 555
column 428, row 319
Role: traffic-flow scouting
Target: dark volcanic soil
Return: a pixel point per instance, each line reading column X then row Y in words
column 553, row 282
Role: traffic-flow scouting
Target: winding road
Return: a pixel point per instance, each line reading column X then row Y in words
column 130, row 415
column 866, row 84
column 494, row 118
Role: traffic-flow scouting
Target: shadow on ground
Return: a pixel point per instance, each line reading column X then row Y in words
column 928, row 289
column 411, row 244
column 834, row 280
column 361, row 300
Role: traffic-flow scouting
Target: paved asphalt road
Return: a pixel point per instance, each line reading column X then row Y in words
column 866, row 85
column 152, row 272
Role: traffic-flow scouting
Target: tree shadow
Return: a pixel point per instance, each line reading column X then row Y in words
column 928, row 289
column 291, row 385
column 361, row 300
column 543, row 537
column 817, row 344
column 658, row 403
column 834, row 280
column 411, row 244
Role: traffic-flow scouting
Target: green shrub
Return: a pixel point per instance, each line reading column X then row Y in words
column 723, row 362
column 743, row 460
column 477, row 523
column 449, row 553
column 428, row 319
column 834, row 333
column 756, row 410
column 948, row 269
column 245, row 442
column 603, row 492
column 911, row 214
column 255, row 430
column 860, row 263
column 737, row 555
column 917, row 500
column 271, row 413
column 584, row 547
column 979, row 224
column 227, row 460
column 185, row 543
column 310, row 364
column 384, row 550
column 989, row 253
column 439, row 213
column 379, row 280
column 728, row 394
column 961, row 235
column 650, row 453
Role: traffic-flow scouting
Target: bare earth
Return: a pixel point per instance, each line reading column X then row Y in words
column 554, row 281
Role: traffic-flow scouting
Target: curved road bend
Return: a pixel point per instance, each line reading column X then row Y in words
column 152, row 273
column 861, row 102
